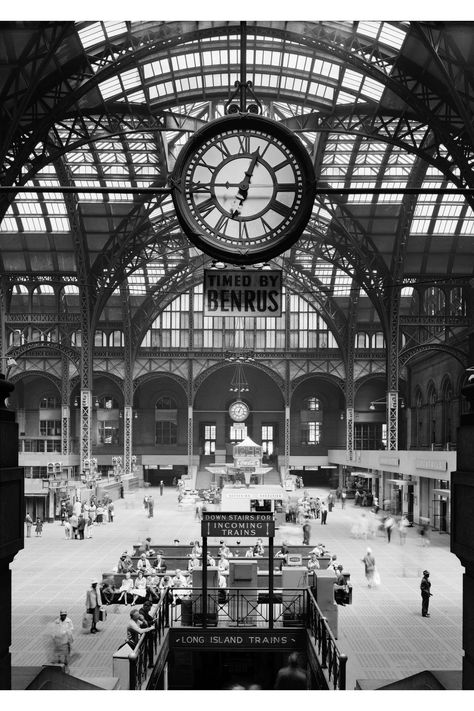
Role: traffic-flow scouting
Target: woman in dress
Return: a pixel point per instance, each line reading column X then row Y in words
column 369, row 563
column 126, row 588
column 139, row 589
column 39, row 527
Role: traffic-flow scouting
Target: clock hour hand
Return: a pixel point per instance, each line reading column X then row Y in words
column 244, row 186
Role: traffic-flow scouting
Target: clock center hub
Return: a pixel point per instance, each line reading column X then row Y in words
column 233, row 188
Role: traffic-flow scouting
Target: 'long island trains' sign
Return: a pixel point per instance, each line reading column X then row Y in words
column 238, row 292
column 239, row 525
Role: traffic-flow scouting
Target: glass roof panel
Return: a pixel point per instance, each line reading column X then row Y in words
column 97, row 32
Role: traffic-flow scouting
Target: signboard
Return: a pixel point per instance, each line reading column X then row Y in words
column 242, row 292
column 235, row 639
column 239, row 524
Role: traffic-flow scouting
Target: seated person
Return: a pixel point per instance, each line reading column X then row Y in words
column 160, row 565
column 139, row 589
column 196, row 548
column 108, row 590
column 144, row 563
column 147, row 544
column 283, row 552
column 320, row 550
column 194, row 562
column 178, row 580
column 211, row 562
column 333, row 564
column 249, row 553
column 225, row 550
column 180, row 586
column 125, row 564
column 153, row 582
column 313, row 563
column 223, row 564
column 258, row 548
column 126, row 589
column 341, row 588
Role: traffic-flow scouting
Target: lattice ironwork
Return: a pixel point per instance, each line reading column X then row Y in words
column 190, row 391
column 127, row 439
column 392, row 419
column 65, row 429
column 350, row 432
column 86, row 421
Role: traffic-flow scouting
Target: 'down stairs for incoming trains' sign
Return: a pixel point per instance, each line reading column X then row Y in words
column 237, row 524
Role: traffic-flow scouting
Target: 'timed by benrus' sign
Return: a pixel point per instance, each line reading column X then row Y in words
column 244, row 292
column 237, row 524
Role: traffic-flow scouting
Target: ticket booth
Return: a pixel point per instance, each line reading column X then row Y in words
column 242, row 575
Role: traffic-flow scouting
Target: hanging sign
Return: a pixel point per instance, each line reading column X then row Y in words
column 242, row 292
column 237, row 524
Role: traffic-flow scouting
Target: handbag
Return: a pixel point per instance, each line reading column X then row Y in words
column 102, row 614
column 376, row 577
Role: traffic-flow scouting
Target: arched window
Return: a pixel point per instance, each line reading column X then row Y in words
column 166, row 420
column 100, row 339
column 116, row 339
column 378, row 340
column 76, row 339
column 362, row 340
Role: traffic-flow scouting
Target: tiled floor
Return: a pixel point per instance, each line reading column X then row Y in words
column 382, row 632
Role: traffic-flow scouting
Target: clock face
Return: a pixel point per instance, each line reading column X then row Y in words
column 239, row 411
column 243, row 189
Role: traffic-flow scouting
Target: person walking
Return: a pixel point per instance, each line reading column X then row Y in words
column 388, row 525
column 29, row 524
column 402, row 529
column 62, row 639
column 39, row 527
column 369, row 562
column 150, row 506
column 93, row 603
column 306, row 533
column 291, row 676
column 324, row 513
column 343, row 498
column 425, row 587
column 162, row 486
column 110, row 512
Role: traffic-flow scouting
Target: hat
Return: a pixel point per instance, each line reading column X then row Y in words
column 426, row 572
column 94, row 581
column 63, row 612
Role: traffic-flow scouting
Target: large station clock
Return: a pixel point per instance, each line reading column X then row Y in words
column 243, row 188
column 239, row 411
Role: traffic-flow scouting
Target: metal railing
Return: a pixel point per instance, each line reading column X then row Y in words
column 143, row 657
column 332, row 662
column 238, row 607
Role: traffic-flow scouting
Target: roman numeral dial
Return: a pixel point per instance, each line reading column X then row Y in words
column 243, row 188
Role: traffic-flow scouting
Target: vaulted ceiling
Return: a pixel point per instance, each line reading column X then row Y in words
column 103, row 108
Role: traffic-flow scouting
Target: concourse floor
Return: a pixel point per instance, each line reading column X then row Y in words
column 382, row 632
